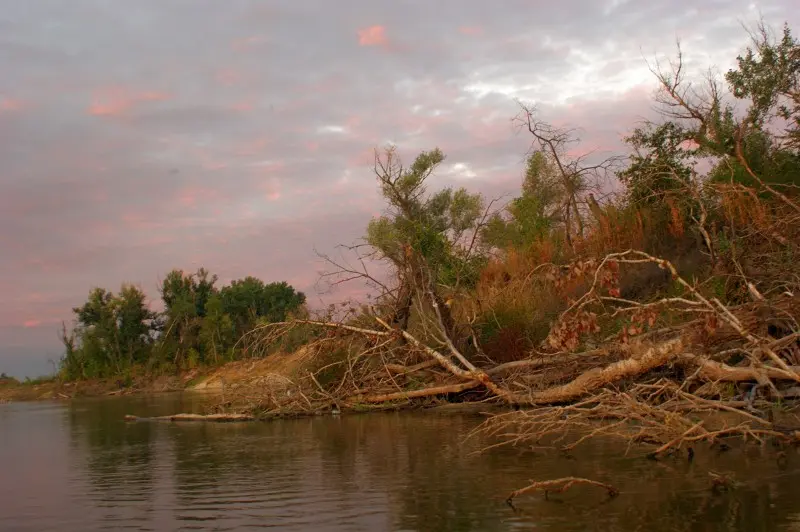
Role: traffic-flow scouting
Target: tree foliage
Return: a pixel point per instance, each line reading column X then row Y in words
column 248, row 300
column 661, row 163
column 530, row 216
column 768, row 75
column 436, row 228
column 705, row 124
column 200, row 324
column 114, row 331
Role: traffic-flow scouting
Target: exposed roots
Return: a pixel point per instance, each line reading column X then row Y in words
column 660, row 415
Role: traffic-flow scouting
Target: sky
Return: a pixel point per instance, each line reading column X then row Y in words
column 238, row 135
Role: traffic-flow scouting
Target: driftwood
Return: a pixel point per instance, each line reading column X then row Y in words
column 561, row 485
column 717, row 371
column 215, row 418
column 413, row 394
column 597, row 378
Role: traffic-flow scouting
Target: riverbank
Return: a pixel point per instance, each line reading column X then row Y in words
column 274, row 372
column 57, row 390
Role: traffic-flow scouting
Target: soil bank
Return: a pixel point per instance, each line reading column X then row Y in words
column 277, row 370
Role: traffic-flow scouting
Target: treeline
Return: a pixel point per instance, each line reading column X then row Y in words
column 201, row 324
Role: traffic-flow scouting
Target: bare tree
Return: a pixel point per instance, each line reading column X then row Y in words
column 580, row 179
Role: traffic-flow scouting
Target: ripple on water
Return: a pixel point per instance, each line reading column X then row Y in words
column 80, row 468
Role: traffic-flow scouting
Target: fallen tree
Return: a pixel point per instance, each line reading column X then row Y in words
column 647, row 387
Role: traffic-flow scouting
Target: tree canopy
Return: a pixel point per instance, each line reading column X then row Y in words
column 200, row 324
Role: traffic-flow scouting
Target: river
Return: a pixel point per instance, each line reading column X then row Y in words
column 78, row 466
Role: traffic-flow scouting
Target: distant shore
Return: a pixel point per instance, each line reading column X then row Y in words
column 261, row 372
column 55, row 390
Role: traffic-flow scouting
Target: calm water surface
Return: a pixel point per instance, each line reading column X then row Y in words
column 79, row 467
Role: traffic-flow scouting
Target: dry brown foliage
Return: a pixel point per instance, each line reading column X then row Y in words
column 698, row 358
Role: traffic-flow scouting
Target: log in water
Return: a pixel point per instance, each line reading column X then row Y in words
column 215, row 418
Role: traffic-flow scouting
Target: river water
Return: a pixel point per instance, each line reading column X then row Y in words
column 78, row 467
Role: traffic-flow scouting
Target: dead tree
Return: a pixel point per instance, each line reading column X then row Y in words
column 578, row 177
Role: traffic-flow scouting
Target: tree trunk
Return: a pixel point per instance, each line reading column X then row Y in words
column 402, row 313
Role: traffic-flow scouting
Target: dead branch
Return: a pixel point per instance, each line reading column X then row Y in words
column 717, row 371
column 573, row 171
column 399, row 369
column 329, row 324
column 594, row 379
column 549, row 360
column 217, row 418
column 560, row 485
column 416, row 394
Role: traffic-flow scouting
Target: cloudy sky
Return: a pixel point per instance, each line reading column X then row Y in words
column 237, row 135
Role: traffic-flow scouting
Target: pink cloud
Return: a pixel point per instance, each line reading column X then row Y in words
column 117, row 101
column 44, row 266
column 270, row 168
column 8, row 105
column 243, row 106
column 373, row 36
column 139, row 221
column 422, row 123
column 312, row 146
column 190, row 196
column 353, row 122
column 41, row 309
column 272, row 189
column 470, row 30
column 99, row 194
column 158, row 240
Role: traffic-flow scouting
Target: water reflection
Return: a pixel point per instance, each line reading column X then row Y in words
column 81, row 467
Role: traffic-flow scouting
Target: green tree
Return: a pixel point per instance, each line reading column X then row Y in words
column 702, row 124
column 186, row 298
column 661, row 163
column 194, row 289
column 433, row 226
column 134, row 324
column 250, row 299
column 534, row 213
column 112, row 333
column 768, row 75
column 181, row 311
column 99, row 334
column 199, row 324
column 764, row 157
column 429, row 239
column 216, row 331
